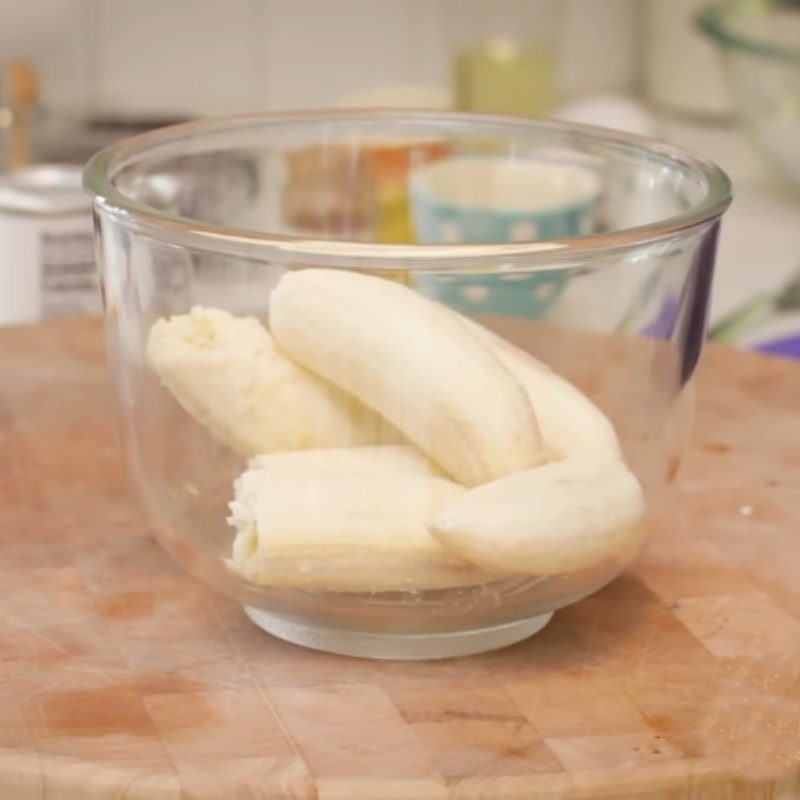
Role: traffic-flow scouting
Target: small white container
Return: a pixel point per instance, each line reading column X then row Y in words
column 47, row 265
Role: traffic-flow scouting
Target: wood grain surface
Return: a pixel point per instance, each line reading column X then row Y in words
column 121, row 677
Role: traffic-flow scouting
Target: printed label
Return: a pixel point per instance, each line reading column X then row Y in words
column 69, row 281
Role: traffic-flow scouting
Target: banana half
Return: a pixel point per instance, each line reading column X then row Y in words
column 412, row 361
column 228, row 374
column 565, row 516
column 569, row 422
column 349, row 520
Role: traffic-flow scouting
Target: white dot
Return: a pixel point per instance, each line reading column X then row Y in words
column 450, row 233
column 524, row 231
column 544, row 291
column 475, row 294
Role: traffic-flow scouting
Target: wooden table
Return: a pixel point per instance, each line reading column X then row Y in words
column 122, row 677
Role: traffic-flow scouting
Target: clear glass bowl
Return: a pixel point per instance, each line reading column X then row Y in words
column 378, row 549
column 760, row 48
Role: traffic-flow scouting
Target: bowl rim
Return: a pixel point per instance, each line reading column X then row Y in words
column 101, row 169
column 712, row 20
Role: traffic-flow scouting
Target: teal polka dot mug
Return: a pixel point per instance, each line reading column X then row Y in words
column 474, row 199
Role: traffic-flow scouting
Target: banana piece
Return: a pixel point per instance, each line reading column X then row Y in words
column 228, row 374
column 411, row 360
column 565, row 516
column 569, row 422
column 345, row 520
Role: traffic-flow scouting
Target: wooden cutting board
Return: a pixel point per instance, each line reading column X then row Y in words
column 121, row 677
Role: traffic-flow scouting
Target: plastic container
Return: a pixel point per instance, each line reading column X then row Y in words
column 46, row 245
column 512, row 491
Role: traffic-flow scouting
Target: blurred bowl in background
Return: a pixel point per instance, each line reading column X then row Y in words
column 760, row 46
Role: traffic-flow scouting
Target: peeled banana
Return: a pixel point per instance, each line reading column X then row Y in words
column 586, row 453
column 411, row 360
column 568, row 421
column 396, row 445
column 562, row 517
column 228, row 374
column 347, row 520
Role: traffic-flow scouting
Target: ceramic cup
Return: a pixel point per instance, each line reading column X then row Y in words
column 479, row 199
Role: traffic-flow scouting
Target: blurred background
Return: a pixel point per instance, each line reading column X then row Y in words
column 79, row 74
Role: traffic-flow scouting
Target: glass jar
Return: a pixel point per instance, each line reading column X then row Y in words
column 505, row 54
column 410, row 450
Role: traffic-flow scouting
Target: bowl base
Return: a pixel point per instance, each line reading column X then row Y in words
column 407, row 647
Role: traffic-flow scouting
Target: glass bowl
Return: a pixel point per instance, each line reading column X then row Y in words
column 760, row 47
column 412, row 445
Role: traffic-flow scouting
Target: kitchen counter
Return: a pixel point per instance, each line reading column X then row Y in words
column 120, row 676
